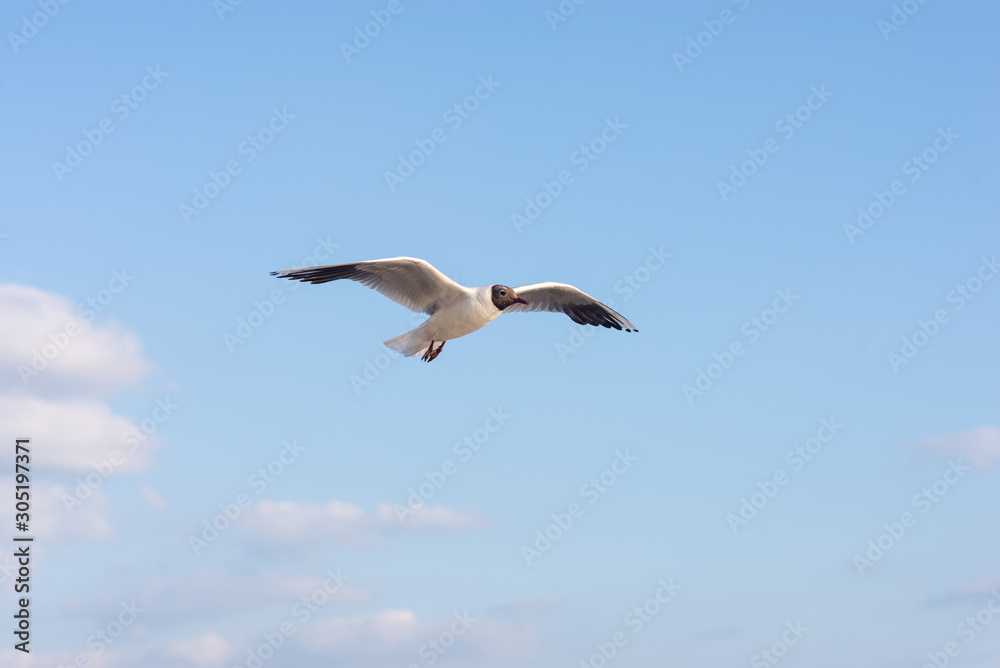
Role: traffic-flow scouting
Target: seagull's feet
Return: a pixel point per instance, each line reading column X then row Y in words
column 432, row 354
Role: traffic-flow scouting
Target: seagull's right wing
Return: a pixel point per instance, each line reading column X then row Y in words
column 577, row 304
column 409, row 281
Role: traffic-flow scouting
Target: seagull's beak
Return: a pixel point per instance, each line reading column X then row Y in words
column 518, row 300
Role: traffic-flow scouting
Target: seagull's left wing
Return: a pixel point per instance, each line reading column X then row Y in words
column 578, row 305
column 409, row 281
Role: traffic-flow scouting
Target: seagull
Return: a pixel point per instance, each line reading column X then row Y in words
column 456, row 310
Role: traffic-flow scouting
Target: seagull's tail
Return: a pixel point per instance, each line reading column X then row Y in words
column 409, row 344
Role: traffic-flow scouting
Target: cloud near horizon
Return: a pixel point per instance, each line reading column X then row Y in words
column 979, row 446
column 207, row 650
column 400, row 636
column 347, row 523
column 976, row 592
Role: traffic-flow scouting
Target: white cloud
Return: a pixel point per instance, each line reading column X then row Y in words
column 72, row 435
column 47, row 346
column 152, row 497
column 399, row 635
column 12, row 658
column 280, row 521
column 430, row 517
column 385, row 631
column 289, row 521
column 971, row 593
column 208, row 649
column 209, row 594
column 979, row 446
column 8, row 572
column 297, row 587
column 56, row 366
column 528, row 605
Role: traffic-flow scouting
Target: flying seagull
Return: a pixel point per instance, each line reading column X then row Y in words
column 456, row 310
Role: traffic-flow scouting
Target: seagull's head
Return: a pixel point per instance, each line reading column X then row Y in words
column 504, row 296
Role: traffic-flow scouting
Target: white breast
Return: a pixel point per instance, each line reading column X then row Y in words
column 463, row 316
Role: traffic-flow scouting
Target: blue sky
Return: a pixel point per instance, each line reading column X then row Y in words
column 710, row 194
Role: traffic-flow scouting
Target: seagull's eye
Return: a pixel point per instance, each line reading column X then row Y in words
column 503, row 293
